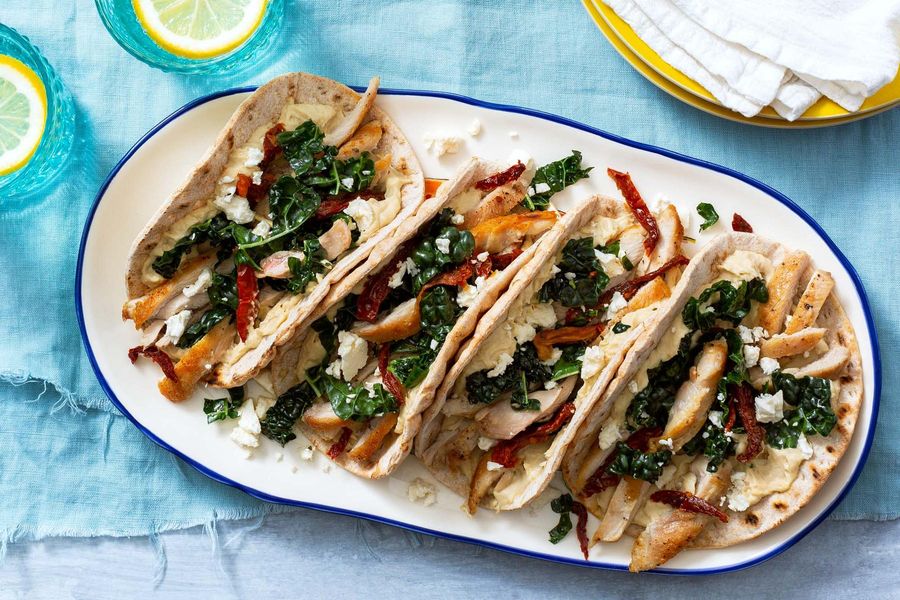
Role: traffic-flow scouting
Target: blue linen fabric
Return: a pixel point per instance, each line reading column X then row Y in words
column 84, row 470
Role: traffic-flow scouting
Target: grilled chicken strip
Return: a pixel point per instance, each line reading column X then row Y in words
column 695, row 396
column 501, row 421
column 401, row 323
column 669, row 534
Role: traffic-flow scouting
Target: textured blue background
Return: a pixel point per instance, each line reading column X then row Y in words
column 91, row 473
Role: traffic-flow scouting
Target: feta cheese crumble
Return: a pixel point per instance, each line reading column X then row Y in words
column 236, row 208
column 262, row 229
column 770, row 407
column 353, row 352
column 396, row 279
column 592, row 362
column 493, row 466
column 442, row 244
column 503, row 361
column 474, row 128
column 246, row 433
column 307, row 453
column 421, row 490
column 541, row 188
column 768, row 365
column 176, row 324
column 254, row 157
column 616, row 303
column 457, row 219
column 441, row 143
column 667, row 443
column 751, row 356
column 715, row 417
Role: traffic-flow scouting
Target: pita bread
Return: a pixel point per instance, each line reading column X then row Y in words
column 263, row 107
column 458, row 479
column 772, row 510
column 398, row 447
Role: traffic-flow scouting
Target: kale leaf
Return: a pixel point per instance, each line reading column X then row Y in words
column 482, row 389
column 223, row 303
column 731, row 304
column 430, row 261
column 304, row 271
column 278, row 422
column 557, row 176
column 712, row 442
column 581, row 279
column 639, row 465
column 569, row 363
column 415, row 355
column 812, row 413
column 709, row 214
column 620, row 328
column 219, row 409
column 561, row 506
column 215, row 230
column 355, row 402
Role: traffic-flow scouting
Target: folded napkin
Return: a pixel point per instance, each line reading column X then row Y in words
column 783, row 53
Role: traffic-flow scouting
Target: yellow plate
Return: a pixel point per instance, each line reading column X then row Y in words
column 647, row 62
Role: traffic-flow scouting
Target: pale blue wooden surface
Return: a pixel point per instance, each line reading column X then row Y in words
column 314, row 555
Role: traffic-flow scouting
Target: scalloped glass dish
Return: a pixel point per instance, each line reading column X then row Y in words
column 120, row 20
column 159, row 162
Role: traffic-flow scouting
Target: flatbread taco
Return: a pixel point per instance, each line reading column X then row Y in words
column 514, row 396
column 356, row 383
column 305, row 182
column 728, row 416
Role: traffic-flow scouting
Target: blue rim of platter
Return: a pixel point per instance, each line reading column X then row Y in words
column 870, row 324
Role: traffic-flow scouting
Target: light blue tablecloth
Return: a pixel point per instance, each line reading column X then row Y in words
column 89, row 472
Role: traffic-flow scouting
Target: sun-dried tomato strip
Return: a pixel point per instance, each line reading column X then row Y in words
column 259, row 191
column 688, row 502
column 732, row 414
column 502, row 178
column 546, row 339
column 600, row 480
column 456, row 277
column 271, row 149
column 638, row 207
column 393, row 385
column 506, row 452
column 242, row 186
column 248, row 306
column 629, row 288
column 746, row 408
column 157, row 356
column 339, row 446
column 640, row 439
column 738, row 223
column 331, row 206
column 501, row 261
column 484, row 268
column 376, row 288
column 581, row 527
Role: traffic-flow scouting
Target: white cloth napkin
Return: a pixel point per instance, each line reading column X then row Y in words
column 785, row 53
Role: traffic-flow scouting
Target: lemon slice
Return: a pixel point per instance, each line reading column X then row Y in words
column 199, row 28
column 23, row 113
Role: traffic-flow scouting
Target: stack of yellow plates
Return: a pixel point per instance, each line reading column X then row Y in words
column 821, row 114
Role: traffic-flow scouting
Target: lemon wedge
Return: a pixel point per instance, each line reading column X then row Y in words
column 23, row 113
column 199, row 28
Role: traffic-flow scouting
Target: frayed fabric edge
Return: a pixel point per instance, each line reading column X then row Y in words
column 66, row 399
column 28, row 533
